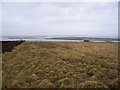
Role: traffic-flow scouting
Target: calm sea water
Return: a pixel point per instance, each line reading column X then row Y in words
column 48, row 38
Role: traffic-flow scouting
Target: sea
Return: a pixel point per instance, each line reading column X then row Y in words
column 61, row 38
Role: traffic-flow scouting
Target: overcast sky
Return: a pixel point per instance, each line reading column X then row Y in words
column 60, row 18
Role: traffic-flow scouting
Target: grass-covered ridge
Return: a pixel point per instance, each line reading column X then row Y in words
column 61, row 65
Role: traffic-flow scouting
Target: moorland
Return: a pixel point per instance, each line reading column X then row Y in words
column 61, row 65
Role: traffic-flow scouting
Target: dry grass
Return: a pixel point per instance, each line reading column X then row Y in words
column 61, row 65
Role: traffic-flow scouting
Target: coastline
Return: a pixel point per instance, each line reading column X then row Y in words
column 60, row 39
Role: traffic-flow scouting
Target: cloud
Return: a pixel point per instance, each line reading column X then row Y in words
column 59, row 0
column 0, row 19
column 65, row 18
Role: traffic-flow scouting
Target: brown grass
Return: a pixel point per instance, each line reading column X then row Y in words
column 61, row 65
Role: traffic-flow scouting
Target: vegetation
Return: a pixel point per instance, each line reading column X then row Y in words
column 61, row 65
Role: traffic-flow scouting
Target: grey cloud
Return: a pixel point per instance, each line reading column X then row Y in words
column 60, row 18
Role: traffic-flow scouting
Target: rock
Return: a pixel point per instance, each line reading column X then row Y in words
column 86, row 40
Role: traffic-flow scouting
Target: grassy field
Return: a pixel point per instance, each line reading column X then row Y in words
column 61, row 65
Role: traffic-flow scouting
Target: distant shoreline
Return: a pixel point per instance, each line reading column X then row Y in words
column 58, row 41
column 62, row 39
column 89, row 39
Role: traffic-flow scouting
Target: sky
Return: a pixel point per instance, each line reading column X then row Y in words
column 60, row 18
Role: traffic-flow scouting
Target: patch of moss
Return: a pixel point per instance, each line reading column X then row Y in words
column 65, row 83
